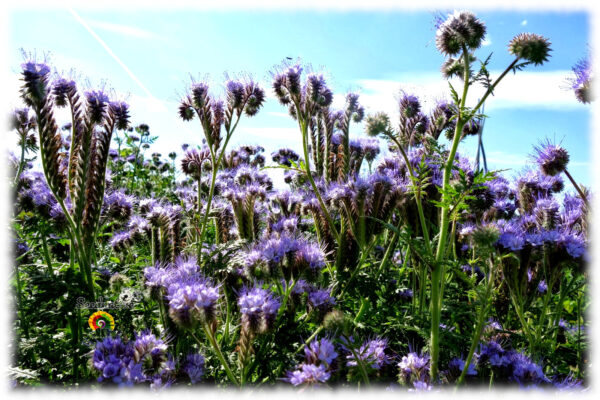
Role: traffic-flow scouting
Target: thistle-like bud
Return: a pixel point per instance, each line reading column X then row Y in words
column 35, row 82
column 409, row 105
column 186, row 112
column 120, row 112
column 531, row 47
column 235, row 94
column 61, row 90
column 255, row 99
column 552, row 159
column 199, row 95
column 336, row 321
column 97, row 102
column 460, row 29
column 292, row 77
column 21, row 121
column 376, row 124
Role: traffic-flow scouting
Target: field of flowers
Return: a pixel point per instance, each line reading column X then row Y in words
column 413, row 270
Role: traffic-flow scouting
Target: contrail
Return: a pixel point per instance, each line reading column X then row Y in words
column 114, row 56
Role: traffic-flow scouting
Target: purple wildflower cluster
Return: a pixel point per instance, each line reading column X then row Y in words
column 192, row 298
column 414, row 370
column 371, row 354
column 125, row 363
column 317, row 366
column 258, row 308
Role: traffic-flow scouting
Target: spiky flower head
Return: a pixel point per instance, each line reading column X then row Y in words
column 120, row 111
column 409, row 105
column 192, row 162
column 551, row 158
column 377, row 124
column 192, row 301
column 371, row 353
column 35, row 82
column 61, row 89
column 21, row 120
column 149, row 350
column 582, row 82
column 199, row 94
column 97, row 102
column 258, row 307
column 531, row 47
column 460, row 29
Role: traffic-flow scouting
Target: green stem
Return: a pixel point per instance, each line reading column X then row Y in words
column 479, row 327
column 304, row 130
column 217, row 350
column 359, row 362
column 46, row 253
column 310, row 339
column 436, row 275
column 22, row 159
column 388, row 252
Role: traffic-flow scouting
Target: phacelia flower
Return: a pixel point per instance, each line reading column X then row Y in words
column 320, row 351
column 192, row 301
column 552, row 159
column 193, row 366
column 258, row 308
column 308, row 374
column 372, row 354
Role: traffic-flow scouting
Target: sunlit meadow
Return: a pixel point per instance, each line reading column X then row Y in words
column 383, row 257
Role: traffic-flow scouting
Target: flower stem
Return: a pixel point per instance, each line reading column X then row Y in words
column 581, row 194
column 217, row 350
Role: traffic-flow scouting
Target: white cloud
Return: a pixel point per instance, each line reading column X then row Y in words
column 486, row 42
column 524, row 22
column 121, row 29
column 524, row 89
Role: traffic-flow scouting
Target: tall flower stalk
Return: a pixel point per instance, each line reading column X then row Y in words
column 77, row 179
column 461, row 33
column 242, row 98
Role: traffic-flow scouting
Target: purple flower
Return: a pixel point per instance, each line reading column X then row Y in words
column 552, row 159
column 97, row 102
column 192, row 300
column 542, row 286
column 421, row 386
column 258, row 308
column 308, row 374
column 371, row 353
column 193, row 366
column 321, row 300
column 581, row 83
column 146, row 344
column 456, row 365
column 320, row 350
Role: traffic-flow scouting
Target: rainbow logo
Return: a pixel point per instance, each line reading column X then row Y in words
column 101, row 320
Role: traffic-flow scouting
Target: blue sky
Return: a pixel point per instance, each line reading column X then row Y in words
column 376, row 53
